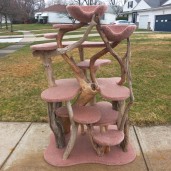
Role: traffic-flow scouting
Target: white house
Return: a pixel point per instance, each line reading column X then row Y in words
column 149, row 14
column 109, row 16
column 53, row 14
column 58, row 14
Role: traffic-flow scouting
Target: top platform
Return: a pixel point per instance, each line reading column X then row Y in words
column 118, row 32
column 84, row 14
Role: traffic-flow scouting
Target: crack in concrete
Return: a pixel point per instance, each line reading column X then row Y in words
column 15, row 146
column 141, row 149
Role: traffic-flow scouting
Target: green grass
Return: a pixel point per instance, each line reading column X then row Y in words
column 55, row 31
column 22, row 80
column 3, row 45
column 4, row 32
column 45, row 31
column 32, row 26
column 143, row 30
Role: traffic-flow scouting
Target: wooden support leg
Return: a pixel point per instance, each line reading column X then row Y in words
column 125, row 142
column 98, row 148
column 47, row 62
column 121, row 108
column 56, row 126
column 74, row 128
column 81, row 53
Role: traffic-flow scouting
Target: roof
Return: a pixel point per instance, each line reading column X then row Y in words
column 55, row 8
column 155, row 3
column 137, row 1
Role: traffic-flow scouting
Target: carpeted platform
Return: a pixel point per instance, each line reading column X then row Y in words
column 83, row 152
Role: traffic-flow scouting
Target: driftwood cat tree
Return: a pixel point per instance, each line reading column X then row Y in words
column 88, row 131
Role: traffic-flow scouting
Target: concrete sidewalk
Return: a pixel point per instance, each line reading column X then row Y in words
column 22, row 146
column 28, row 38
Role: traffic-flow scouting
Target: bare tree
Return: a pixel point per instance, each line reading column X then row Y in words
column 4, row 5
column 117, row 6
column 53, row 2
column 28, row 8
column 21, row 10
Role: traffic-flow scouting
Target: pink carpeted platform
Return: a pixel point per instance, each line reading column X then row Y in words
column 83, row 152
column 118, row 32
column 85, row 13
column 65, row 90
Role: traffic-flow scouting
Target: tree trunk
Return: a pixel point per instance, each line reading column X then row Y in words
column 6, row 22
column 11, row 24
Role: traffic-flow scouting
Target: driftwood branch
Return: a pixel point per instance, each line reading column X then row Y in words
column 121, row 109
column 68, row 48
column 93, row 60
column 56, row 126
column 99, row 149
column 47, row 62
column 125, row 142
column 114, row 54
column 87, row 92
column 73, row 136
column 129, row 78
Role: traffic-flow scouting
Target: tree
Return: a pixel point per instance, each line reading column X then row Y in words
column 22, row 10
column 28, row 8
column 4, row 5
column 117, row 6
column 53, row 2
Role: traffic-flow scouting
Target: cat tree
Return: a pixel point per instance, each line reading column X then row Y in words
column 88, row 131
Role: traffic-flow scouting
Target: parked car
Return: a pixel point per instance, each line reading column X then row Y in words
column 122, row 22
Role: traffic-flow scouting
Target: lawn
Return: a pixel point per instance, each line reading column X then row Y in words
column 35, row 26
column 22, row 81
column 4, row 32
column 17, row 27
column 3, row 45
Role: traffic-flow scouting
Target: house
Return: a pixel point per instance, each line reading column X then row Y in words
column 149, row 14
column 58, row 14
column 109, row 16
column 53, row 14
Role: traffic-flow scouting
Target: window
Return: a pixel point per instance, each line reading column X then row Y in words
column 130, row 4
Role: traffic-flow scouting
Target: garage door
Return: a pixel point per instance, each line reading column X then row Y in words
column 143, row 22
column 163, row 23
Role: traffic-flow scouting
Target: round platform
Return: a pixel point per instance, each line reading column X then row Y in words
column 108, row 115
column 109, row 89
column 99, row 62
column 62, row 112
column 51, row 35
column 65, row 90
column 82, row 114
column 63, row 26
column 108, row 138
column 86, row 114
column 83, row 152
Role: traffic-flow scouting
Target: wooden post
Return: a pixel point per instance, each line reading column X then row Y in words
column 125, row 142
column 56, row 126
column 73, row 136
column 47, row 62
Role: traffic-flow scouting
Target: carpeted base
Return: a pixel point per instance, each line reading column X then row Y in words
column 83, row 152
